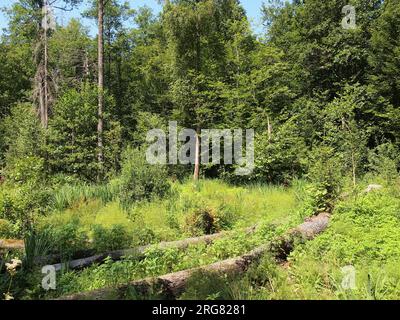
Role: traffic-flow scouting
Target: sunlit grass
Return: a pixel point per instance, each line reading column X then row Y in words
column 363, row 233
column 246, row 206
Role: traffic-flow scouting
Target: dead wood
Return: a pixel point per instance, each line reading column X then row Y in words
column 173, row 284
column 139, row 252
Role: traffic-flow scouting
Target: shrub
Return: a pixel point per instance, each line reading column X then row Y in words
column 6, row 229
column 24, row 136
column 67, row 240
column 201, row 221
column 22, row 204
column 114, row 238
column 139, row 180
column 29, row 169
column 384, row 161
column 144, row 236
column 315, row 200
column 23, row 196
column 325, row 172
column 280, row 158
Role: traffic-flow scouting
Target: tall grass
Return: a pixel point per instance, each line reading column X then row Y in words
column 36, row 245
column 68, row 195
column 167, row 219
column 235, row 207
column 364, row 233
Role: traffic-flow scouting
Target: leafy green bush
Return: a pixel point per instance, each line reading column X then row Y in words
column 115, row 238
column 24, row 138
column 140, row 180
column 6, row 229
column 21, row 205
column 315, row 201
column 67, row 240
column 29, row 169
column 325, row 173
column 24, row 196
column 384, row 161
column 280, row 159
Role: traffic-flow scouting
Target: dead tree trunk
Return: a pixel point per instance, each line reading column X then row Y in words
column 9, row 244
column 100, row 51
column 196, row 173
column 41, row 61
column 172, row 285
column 45, row 119
column 140, row 251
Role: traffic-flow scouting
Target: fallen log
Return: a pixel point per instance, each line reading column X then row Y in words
column 12, row 244
column 139, row 252
column 283, row 246
column 173, row 284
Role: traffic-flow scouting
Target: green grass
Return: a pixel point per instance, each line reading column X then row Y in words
column 167, row 217
column 69, row 194
column 163, row 261
column 364, row 233
column 274, row 208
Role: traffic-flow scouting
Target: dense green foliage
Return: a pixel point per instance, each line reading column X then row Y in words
column 364, row 234
column 309, row 80
column 323, row 101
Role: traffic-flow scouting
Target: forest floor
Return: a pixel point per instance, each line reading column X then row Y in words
column 96, row 226
column 363, row 235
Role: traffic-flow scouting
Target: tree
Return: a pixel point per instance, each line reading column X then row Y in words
column 72, row 56
column 186, row 23
column 38, row 21
column 72, row 134
column 14, row 76
column 325, row 55
column 110, row 15
column 100, row 75
column 196, row 32
column 385, row 52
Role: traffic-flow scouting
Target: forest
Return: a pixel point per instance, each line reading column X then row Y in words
column 84, row 214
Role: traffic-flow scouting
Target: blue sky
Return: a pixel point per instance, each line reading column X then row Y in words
column 252, row 8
